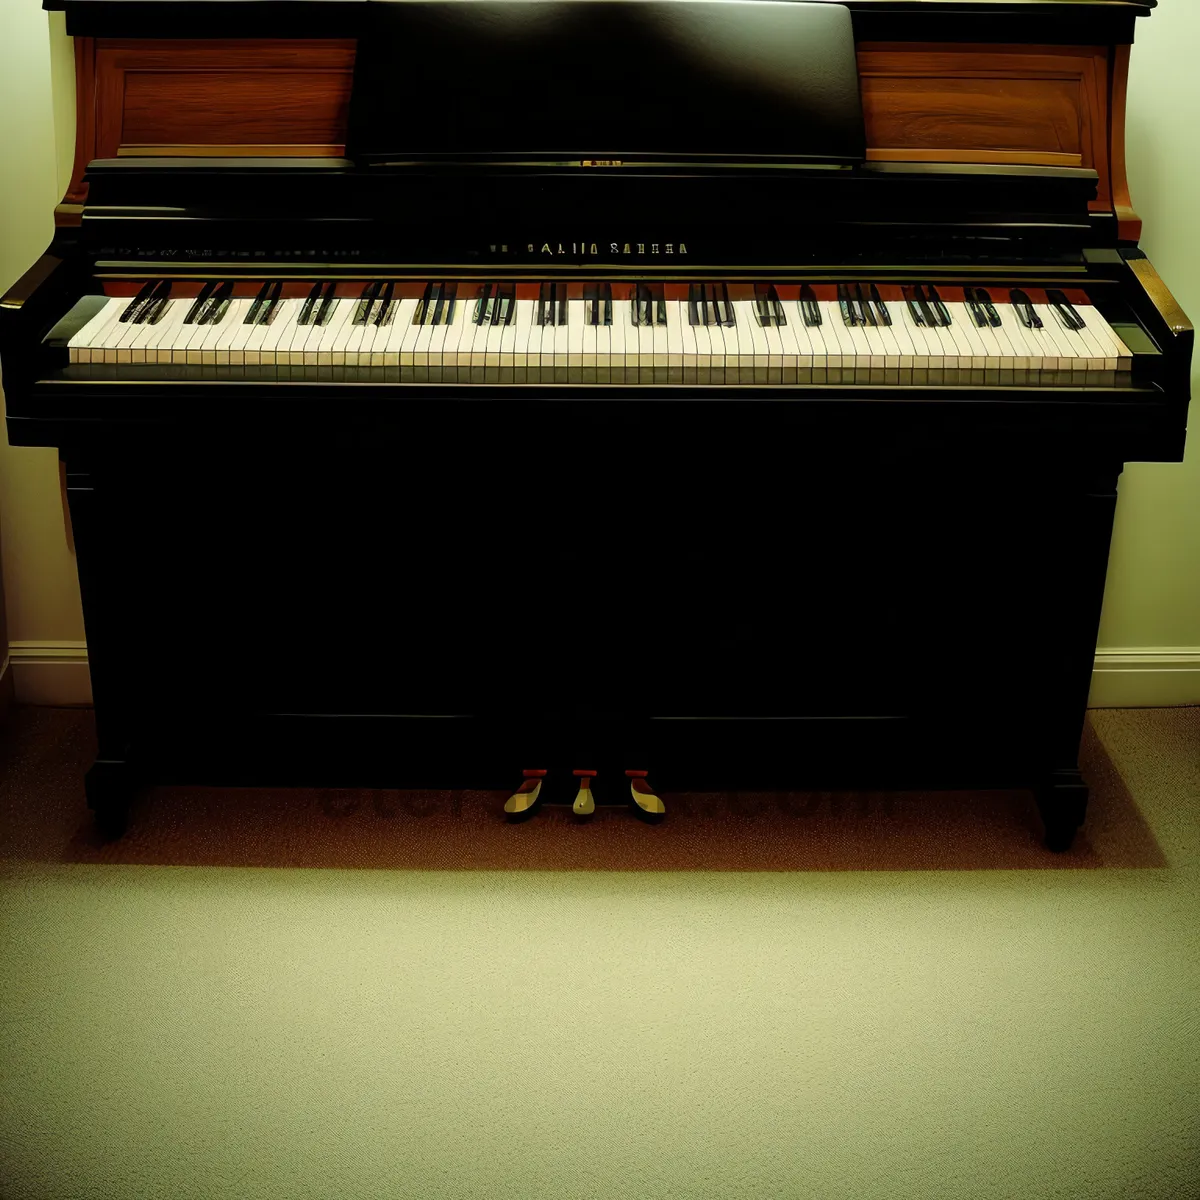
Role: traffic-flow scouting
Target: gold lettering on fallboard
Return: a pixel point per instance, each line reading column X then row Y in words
column 594, row 250
column 641, row 247
column 682, row 248
column 670, row 248
column 653, row 247
column 626, row 250
column 614, row 248
column 530, row 247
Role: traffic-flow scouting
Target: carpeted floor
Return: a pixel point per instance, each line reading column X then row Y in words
column 47, row 751
column 805, row 995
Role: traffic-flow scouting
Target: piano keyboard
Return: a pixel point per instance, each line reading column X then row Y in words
column 606, row 333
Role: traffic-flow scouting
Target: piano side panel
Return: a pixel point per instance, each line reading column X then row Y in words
column 259, row 96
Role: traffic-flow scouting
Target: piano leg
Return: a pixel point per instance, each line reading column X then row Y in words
column 109, row 784
column 1088, row 512
column 1062, row 801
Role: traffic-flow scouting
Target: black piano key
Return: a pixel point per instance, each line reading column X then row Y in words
column 218, row 304
column 309, row 304
column 1024, row 306
column 913, row 309
column 728, row 318
column 778, row 316
column 271, row 308
column 439, row 304
column 326, row 309
column 386, row 306
column 1065, row 309
column 942, row 312
column 193, row 312
column 483, row 304
column 848, row 314
column 251, row 318
column 976, row 309
column 927, row 316
column 365, row 302
column 809, row 308
column 561, row 289
column 591, row 306
column 660, row 304
column 506, row 306
column 159, row 309
column 704, row 315
column 989, row 309
column 152, row 310
column 761, row 312
column 423, row 305
column 543, row 292
column 881, row 308
column 608, row 304
column 864, row 308
column 136, row 303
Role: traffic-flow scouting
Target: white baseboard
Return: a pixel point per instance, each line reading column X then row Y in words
column 1146, row 677
column 56, row 673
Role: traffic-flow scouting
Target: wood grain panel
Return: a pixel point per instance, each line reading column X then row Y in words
column 1041, row 105
column 274, row 95
column 222, row 107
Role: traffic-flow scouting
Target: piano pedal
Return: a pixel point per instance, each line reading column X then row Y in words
column 585, row 803
column 645, row 803
column 527, row 799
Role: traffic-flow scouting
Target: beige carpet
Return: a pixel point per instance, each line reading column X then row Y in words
column 825, row 995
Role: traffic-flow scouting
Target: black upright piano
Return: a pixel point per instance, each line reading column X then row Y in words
column 735, row 391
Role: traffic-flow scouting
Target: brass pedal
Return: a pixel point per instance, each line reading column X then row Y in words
column 526, row 800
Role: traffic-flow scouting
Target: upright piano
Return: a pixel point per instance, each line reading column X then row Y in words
column 733, row 390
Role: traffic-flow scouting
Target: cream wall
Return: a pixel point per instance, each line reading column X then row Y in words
column 1150, row 637
column 37, row 100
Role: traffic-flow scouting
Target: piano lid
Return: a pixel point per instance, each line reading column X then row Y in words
column 578, row 84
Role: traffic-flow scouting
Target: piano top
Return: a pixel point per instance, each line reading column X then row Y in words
column 1043, row 21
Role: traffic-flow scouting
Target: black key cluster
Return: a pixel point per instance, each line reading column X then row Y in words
column 767, row 308
column 597, row 303
column 552, row 304
column 495, row 304
column 318, row 308
column 708, row 304
column 861, row 308
column 981, row 308
column 148, row 306
column 265, row 306
column 927, row 308
column 810, row 310
column 1025, row 310
column 436, row 306
column 648, row 304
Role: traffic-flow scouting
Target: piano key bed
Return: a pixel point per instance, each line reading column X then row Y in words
column 589, row 333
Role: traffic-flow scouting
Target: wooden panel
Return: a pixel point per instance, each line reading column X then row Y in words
column 1040, row 105
column 1129, row 224
column 224, row 106
column 281, row 97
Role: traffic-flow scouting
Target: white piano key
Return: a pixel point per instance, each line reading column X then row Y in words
column 676, row 318
column 774, row 354
column 504, row 351
column 521, row 337
column 576, row 317
column 588, row 343
column 604, row 345
column 229, row 328
column 90, row 336
column 618, row 332
column 754, row 340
